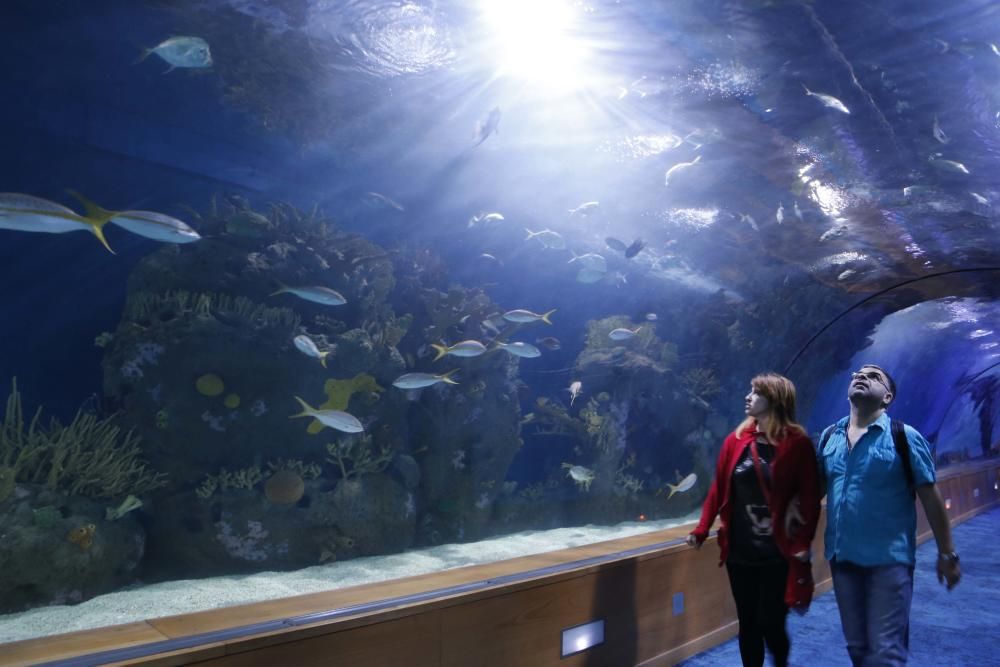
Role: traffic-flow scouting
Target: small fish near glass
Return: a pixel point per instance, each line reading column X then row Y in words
column 184, row 52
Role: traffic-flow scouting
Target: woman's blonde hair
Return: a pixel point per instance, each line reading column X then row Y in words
column 780, row 394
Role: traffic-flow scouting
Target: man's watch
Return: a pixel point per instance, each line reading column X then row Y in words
column 950, row 556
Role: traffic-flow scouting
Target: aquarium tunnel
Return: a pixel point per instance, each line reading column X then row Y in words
column 330, row 322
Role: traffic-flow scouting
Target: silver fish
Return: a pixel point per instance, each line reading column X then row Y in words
column 27, row 213
column 780, row 215
column 938, row 132
column 307, row 346
column 590, row 260
column 623, row 334
column 949, row 166
column 828, row 101
column 182, row 52
column 797, row 210
column 489, row 126
column 847, row 275
column 747, row 218
column 420, row 380
column 485, row 219
column 547, row 238
column 833, row 233
column 917, row 191
column 335, row 419
column 685, row 484
column 575, row 388
column 579, row 474
column 519, row 349
column 316, row 294
column 652, row 317
column 677, row 168
column 467, row 348
column 379, row 199
column 981, row 200
column 156, row 226
column 585, row 209
column 522, row 316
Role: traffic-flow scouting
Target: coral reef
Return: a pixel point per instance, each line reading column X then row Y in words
column 244, row 478
column 284, row 487
column 209, row 384
column 357, row 456
column 87, row 457
column 701, row 383
column 130, row 504
column 147, row 308
column 59, row 549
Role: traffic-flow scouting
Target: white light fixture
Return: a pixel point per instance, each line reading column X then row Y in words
column 947, row 503
column 581, row 637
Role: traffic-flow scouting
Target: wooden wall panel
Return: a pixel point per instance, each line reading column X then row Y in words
column 515, row 624
column 413, row 641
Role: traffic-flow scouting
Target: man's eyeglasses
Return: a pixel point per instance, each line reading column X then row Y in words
column 870, row 375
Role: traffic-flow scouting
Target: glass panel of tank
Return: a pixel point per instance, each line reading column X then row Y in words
column 371, row 289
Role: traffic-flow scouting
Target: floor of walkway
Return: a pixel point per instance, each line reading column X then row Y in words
column 947, row 628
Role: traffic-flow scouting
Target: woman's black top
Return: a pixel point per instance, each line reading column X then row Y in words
column 751, row 540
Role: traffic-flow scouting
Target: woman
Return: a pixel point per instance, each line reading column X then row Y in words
column 763, row 464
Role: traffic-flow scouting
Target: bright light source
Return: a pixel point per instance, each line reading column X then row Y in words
column 534, row 41
column 582, row 637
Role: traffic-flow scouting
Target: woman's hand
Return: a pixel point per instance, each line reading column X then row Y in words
column 793, row 518
column 802, row 556
column 693, row 541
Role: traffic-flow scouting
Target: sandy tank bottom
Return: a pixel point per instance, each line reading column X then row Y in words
column 189, row 595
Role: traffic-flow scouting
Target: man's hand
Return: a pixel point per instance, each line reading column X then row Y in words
column 693, row 541
column 948, row 572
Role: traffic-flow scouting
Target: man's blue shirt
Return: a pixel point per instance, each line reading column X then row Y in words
column 871, row 515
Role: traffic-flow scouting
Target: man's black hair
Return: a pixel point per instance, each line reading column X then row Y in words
column 892, row 383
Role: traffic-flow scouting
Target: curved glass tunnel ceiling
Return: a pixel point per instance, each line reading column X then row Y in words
column 736, row 186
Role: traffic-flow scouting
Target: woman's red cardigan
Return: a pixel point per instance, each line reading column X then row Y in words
column 793, row 473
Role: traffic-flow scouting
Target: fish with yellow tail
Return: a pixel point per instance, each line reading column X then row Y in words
column 467, row 348
column 335, row 419
column 685, row 484
column 307, row 346
column 522, row 316
column 156, row 226
column 27, row 213
column 421, row 380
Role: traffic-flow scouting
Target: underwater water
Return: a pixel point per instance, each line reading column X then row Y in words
column 363, row 280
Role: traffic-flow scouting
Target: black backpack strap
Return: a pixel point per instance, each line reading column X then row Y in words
column 903, row 450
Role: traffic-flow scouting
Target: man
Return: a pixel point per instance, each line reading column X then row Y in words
column 871, row 521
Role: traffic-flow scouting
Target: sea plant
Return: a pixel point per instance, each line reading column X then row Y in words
column 357, row 456
column 88, row 457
